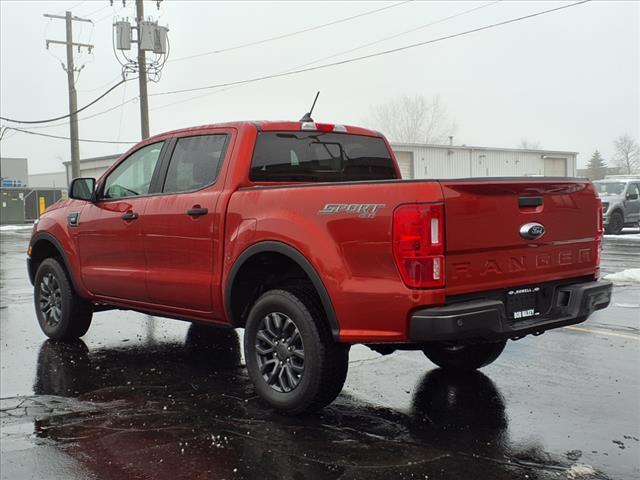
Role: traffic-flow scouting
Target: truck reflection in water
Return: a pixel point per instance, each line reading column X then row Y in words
column 189, row 411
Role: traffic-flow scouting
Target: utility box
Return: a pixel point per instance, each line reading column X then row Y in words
column 11, row 207
column 123, row 35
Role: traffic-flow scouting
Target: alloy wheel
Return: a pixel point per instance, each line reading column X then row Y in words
column 280, row 352
column 50, row 299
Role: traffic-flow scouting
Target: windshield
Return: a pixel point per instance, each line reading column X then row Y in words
column 320, row 157
column 610, row 188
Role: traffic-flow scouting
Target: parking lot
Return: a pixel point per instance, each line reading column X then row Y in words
column 141, row 397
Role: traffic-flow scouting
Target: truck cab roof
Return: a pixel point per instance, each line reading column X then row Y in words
column 270, row 126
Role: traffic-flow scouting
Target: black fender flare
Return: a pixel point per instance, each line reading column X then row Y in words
column 54, row 241
column 295, row 255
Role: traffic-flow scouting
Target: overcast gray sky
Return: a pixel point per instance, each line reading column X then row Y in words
column 568, row 80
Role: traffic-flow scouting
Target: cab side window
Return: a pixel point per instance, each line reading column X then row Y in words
column 133, row 176
column 195, row 163
column 634, row 189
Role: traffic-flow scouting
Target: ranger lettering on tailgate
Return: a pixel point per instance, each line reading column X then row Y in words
column 523, row 263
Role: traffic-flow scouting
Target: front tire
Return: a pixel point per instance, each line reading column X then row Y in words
column 616, row 224
column 463, row 358
column 62, row 314
column 294, row 363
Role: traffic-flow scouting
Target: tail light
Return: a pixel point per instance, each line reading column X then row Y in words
column 599, row 231
column 418, row 244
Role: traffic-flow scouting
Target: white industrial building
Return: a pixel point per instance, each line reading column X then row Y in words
column 453, row 161
column 49, row 180
column 92, row 167
column 436, row 161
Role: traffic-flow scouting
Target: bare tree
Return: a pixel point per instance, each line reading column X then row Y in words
column 413, row 119
column 627, row 154
column 528, row 145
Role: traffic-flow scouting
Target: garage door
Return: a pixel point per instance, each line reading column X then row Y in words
column 555, row 167
column 405, row 162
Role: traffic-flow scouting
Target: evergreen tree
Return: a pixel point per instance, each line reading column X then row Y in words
column 597, row 168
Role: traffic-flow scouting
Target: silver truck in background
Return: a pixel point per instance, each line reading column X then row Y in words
column 620, row 195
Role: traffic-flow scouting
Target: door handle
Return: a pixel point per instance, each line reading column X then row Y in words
column 129, row 216
column 197, row 211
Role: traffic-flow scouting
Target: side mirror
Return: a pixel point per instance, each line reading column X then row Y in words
column 632, row 196
column 83, row 189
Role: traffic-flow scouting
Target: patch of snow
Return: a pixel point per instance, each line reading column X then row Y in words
column 627, row 234
column 580, row 470
column 13, row 228
column 627, row 305
column 625, row 277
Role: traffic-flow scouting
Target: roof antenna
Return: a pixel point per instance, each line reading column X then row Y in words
column 307, row 116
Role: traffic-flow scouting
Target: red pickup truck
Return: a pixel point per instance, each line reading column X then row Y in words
column 304, row 235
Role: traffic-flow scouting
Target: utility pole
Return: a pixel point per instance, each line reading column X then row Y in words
column 73, row 98
column 142, row 75
column 151, row 38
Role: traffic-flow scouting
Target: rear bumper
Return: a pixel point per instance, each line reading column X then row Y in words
column 486, row 320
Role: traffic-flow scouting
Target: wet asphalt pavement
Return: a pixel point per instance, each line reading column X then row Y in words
column 147, row 398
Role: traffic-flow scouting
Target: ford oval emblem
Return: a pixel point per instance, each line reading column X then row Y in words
column 532, row 231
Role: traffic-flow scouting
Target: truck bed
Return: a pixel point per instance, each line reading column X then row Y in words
column 483, row 248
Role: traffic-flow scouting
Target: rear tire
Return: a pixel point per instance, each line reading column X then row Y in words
column 463, row 357
column 62, row 314
column 616, row 224
column 291, row 357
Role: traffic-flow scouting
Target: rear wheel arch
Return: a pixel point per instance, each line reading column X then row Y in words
column 290, row 264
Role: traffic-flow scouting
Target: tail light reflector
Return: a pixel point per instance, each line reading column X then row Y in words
column 418, row 244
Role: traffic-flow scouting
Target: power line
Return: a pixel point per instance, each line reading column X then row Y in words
column 372, row 55
column 100, row 87
column 132, row 99
column 48, row 120
column 110, row 14
column 441, row 20
column 96, row 11
column 450, row 17
column 405, row 32
column 60, row 137
column 74, row 7
column 256, row 79
column 290, row 34
column 241, row 82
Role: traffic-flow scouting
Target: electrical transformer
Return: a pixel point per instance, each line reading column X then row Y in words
column 146, row 35
column 160, row 40
column 123, row 35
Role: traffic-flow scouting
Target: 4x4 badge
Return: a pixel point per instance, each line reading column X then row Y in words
column 532, row 231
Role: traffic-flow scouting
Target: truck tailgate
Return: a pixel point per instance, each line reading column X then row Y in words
column 485, row 249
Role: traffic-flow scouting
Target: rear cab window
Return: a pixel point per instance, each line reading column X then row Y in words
column 320, row 157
